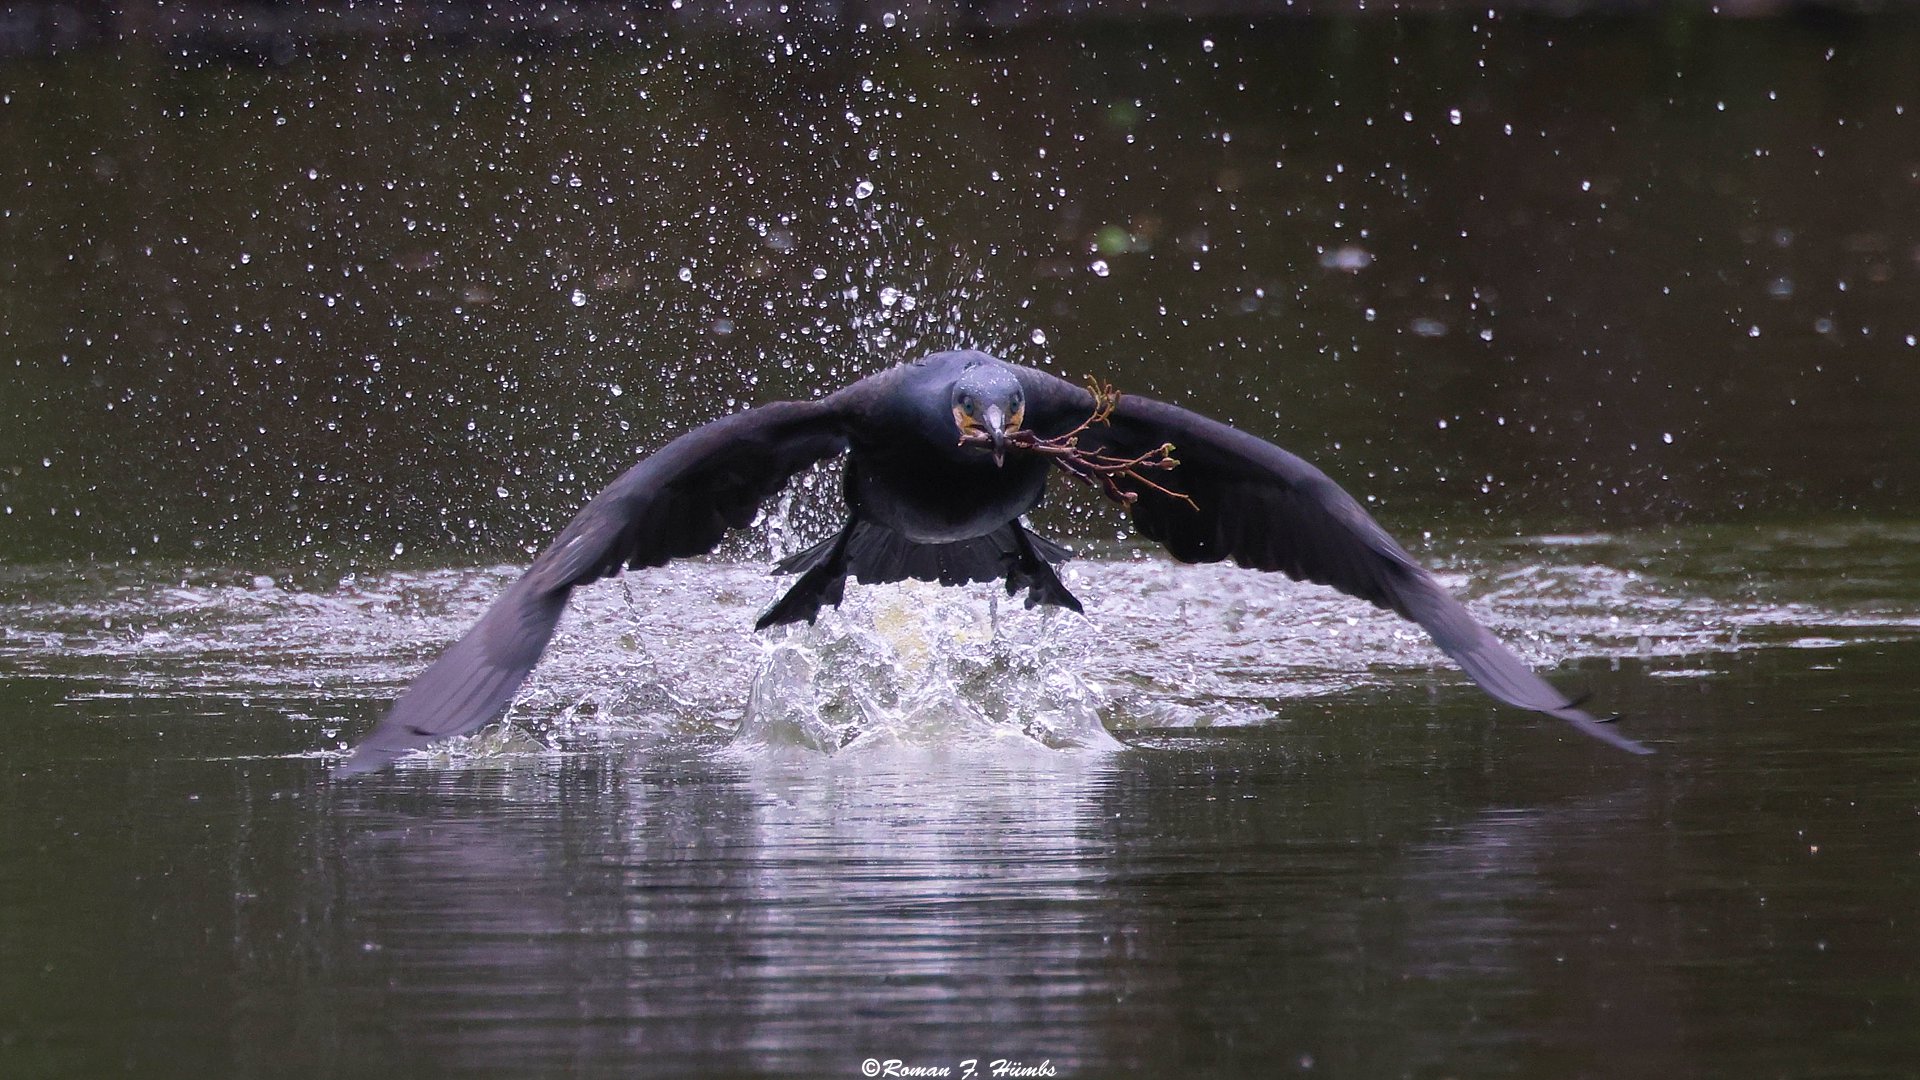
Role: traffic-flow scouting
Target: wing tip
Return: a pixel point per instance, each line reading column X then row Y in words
column 364, row 760
column 1596, row 728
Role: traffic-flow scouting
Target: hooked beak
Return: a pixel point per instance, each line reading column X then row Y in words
column 997, row 427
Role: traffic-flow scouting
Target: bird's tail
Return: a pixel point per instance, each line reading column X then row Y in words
column 873, row 554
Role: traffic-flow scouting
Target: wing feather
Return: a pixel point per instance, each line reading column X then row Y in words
column 1267, row 509
column 675, row 503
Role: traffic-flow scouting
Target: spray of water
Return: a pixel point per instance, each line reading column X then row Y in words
column 921, row 666
column 666, row 656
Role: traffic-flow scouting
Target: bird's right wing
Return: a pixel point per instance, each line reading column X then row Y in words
column 675, row 503
column 1267, row 509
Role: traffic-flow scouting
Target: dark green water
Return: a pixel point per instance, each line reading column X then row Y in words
column 1616, row 325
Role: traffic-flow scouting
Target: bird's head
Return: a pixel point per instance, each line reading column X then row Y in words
column 988, row 400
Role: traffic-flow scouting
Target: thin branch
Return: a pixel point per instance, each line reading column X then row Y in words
column 1095, row 469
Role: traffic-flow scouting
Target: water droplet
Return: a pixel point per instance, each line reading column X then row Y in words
column 1453, row 116
column 863, row 189
column 1038, row 337
column 686, row 273
column 579, row 298
column 1351, row 258
column 1100, row 268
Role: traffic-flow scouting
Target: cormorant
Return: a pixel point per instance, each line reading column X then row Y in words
column 940, row 468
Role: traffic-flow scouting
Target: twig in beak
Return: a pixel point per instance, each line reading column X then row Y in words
column 1103, row 471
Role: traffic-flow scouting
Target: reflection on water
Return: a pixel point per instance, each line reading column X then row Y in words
column 1300, row 858
column 742, row 912
column 1378, row 874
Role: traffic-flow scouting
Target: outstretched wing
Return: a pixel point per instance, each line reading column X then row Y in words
column 675, row 503
column 1269, row 510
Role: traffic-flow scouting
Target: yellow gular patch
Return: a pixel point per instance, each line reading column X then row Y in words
column 964, row 422
column 1018, row 419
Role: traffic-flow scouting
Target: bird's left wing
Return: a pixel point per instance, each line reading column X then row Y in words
column 1269, row 510
column 675, row 503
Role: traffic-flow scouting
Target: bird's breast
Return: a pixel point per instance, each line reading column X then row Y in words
column 937, row 499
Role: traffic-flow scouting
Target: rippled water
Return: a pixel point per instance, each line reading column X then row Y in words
column 905, row 832
column 1613, row 324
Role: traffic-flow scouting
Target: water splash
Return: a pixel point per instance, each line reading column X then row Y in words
column 920, row 665
column 668, row 657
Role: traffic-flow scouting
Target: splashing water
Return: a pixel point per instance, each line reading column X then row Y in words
column 667, row 656
column 921, row 665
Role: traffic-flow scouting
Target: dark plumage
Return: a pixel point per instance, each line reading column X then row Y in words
column 922, row 505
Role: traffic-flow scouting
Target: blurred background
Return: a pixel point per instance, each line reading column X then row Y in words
column 317, row 283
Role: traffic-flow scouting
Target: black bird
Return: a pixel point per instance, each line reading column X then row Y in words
column 936, row 481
